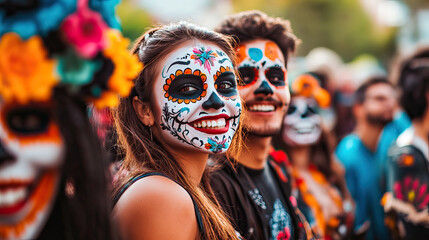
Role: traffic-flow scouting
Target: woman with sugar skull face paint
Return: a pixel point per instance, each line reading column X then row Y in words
column 185, row 106
column 326, row 207
column 52, row 168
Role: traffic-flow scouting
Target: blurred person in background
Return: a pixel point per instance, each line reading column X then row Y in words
column 363, row 153
column 184, row 106
column 318, row 180
column 407, row 199
column 255, row 193
column 53, row 170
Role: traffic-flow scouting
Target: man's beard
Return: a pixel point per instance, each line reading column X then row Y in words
column 378, row 120
column 266, row 131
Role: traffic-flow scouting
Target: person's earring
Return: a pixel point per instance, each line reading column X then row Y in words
column 150, row 131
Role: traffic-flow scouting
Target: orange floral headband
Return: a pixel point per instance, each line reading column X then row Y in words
column 81, row 52
column 308, row 86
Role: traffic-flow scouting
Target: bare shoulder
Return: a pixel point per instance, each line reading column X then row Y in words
column 156, row 207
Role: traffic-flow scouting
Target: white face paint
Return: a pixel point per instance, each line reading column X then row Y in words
column 197, row 97
column 31, row 153
column 301, row 125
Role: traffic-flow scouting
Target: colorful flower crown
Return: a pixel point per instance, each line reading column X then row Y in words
column 71, row 44
column 308, row 86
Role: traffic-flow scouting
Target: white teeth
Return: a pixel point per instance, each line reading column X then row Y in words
column 262, row 108
column 216, row 124
column 14, row 196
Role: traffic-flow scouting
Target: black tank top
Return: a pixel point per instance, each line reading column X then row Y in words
column 135, row 179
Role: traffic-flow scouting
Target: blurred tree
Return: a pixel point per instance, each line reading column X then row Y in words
column 134, row 19
column 342, row 26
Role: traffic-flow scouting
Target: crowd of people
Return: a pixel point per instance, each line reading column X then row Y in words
column 210, row 134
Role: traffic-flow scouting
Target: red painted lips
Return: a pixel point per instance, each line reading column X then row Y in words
column 218, row 124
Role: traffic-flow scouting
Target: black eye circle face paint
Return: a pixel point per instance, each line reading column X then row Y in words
column 276, row 76
column 291, row 109
column 28, row 120
column 248, row 75
column 186, row 86
column 226, row 83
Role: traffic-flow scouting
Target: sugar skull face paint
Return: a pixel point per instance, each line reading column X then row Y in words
column 31, row 153
column 196, row 94
column 302, row 124
column 264, row 87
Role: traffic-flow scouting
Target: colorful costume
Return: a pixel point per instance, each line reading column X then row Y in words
column 57, row 55
column 407, row 199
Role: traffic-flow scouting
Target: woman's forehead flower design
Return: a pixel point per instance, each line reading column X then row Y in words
column 205, row 57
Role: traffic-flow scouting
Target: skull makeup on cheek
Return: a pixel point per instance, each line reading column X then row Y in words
column 302, row 124
column 31, row 154
column 198, row 98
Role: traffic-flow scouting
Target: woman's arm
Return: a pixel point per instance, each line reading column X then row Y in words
column 156, row 208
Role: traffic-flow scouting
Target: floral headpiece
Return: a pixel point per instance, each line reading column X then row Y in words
column 308, row 86
column 72, row 44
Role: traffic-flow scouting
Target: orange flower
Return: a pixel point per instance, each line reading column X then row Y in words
column 308, row 86
column 107, row 99
column 26, row 72
column 127, row 66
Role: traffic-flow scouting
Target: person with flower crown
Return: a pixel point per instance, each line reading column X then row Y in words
column 57, row 57
column 317, row 183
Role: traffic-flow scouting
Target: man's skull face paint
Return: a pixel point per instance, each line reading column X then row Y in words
column 263, row 88
column 301, row 125
column 31, row 153
column 198, row 98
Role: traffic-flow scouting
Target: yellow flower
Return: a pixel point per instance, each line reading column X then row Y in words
column 26, row 72
column 126, row 66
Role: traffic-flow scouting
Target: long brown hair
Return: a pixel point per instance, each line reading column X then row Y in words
column 143, row 155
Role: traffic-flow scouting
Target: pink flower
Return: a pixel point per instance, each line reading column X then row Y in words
column 85, row 29
column 284, row 235
column 412, row 191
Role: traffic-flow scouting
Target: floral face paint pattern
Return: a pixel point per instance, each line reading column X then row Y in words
column 198, row 110
column 31, row 144
column 205, row 57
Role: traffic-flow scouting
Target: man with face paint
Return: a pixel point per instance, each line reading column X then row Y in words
column 363, row 152
column 256, row 194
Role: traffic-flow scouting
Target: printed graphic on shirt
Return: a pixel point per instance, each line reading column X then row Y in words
column 257, row 198
column 280, row 222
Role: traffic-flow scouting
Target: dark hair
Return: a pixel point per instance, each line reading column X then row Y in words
column 414, row 84
column 143, row 155
column 360, row 94
column 255, row 24
column 86, row 213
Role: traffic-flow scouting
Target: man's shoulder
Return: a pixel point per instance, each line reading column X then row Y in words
column 348, row 148
column 224, row 178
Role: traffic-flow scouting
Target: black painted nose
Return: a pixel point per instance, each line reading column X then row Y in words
column 5, row 156
column 264, row 88
column 213, row 102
